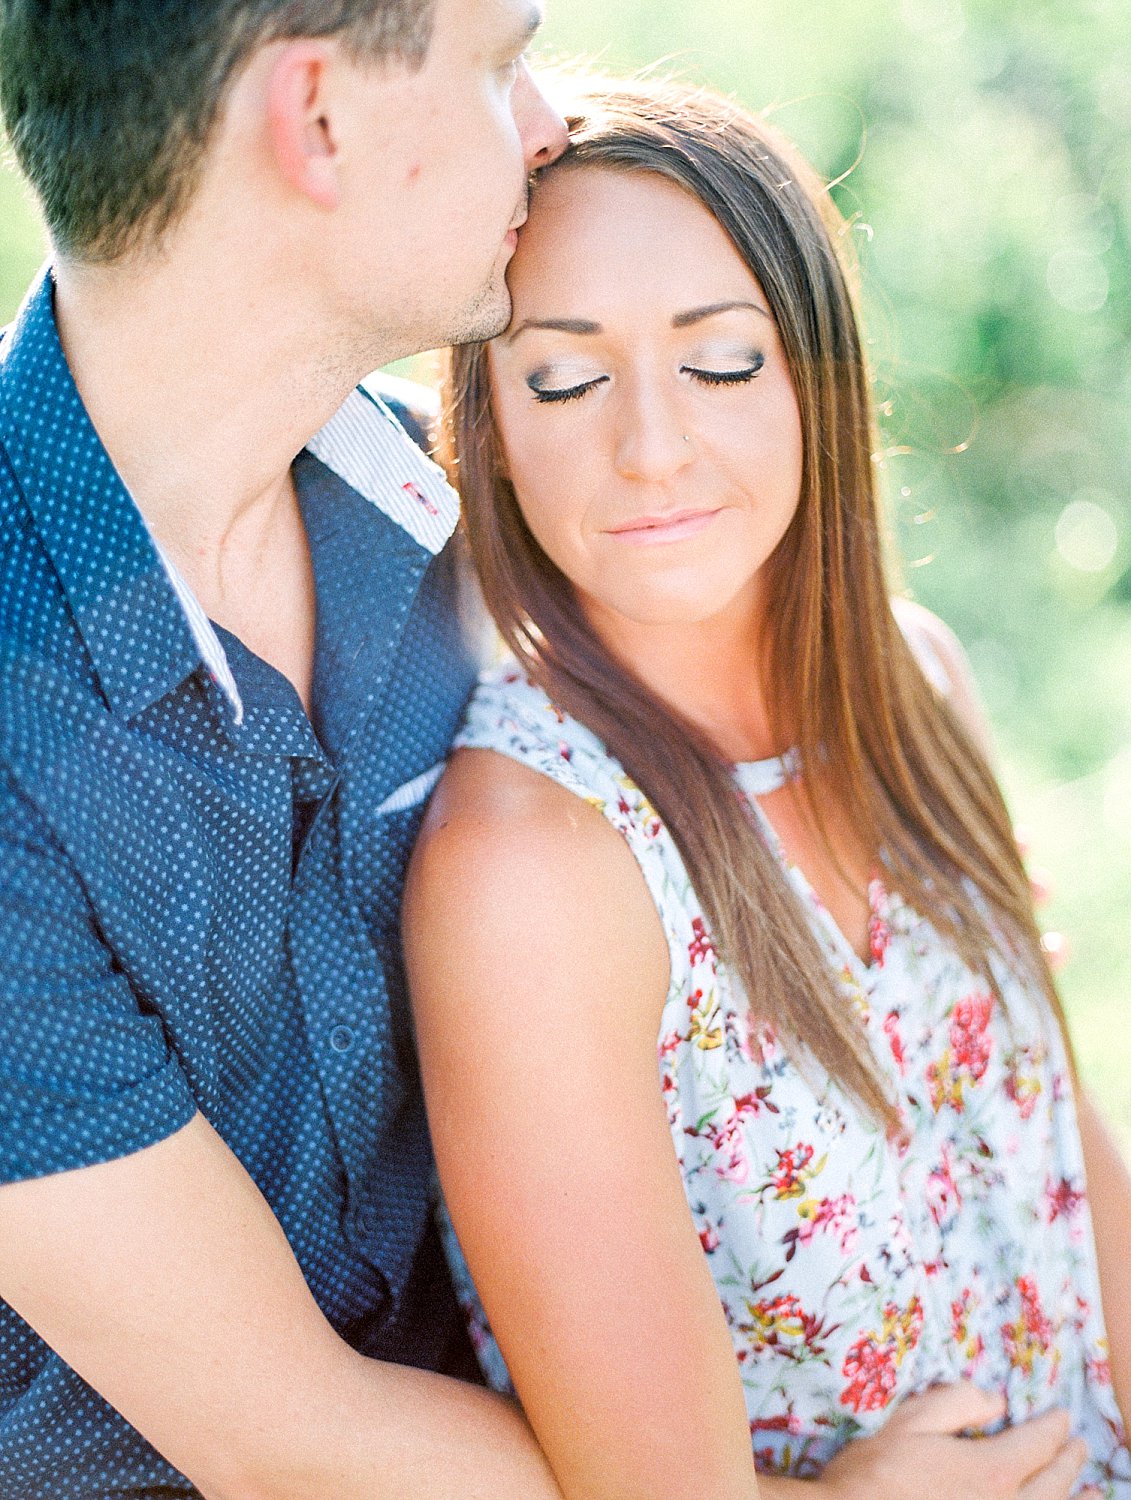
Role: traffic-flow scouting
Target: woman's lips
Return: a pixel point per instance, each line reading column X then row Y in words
column 674, row 527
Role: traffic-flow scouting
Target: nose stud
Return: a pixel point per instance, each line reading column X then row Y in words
column 686, row 439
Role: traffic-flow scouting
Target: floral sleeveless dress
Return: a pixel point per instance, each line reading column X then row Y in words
column 855, row 1272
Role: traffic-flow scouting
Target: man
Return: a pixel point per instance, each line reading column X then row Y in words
column 230, row 666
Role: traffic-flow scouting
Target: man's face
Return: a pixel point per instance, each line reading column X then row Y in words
column 436, row 180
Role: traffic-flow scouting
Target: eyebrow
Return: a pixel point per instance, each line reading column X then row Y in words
column 697, row 314
column 580, row 326
column 583, row 327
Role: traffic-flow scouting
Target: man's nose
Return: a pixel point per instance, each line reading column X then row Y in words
column 544, row 132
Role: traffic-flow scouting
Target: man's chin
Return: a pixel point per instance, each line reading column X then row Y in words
column 486, row 317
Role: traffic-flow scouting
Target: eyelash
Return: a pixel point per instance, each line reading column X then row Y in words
column 726, row 377
column 568, row 393
column 705, row 377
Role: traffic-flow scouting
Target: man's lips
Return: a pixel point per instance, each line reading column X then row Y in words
column 511, row 236
column 673, row 526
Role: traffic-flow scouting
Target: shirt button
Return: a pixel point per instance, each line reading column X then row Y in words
column 341, row 1039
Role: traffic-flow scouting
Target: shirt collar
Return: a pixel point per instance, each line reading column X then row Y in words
column 140, row 621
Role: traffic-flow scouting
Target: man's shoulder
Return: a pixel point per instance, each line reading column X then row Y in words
column 9, row 493
column 35, row 627
column 48, row 692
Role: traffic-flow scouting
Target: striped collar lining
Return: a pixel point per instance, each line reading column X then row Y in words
column 365, row 445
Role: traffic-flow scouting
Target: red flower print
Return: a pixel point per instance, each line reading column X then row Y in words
column 943, row 1196
column 706, row 1033
column 1030, row 1333
column 1023, row 1080
column 969, row 1041
column 780, row 1325
column 669, row 1043
column 972, row 1344
column 700, row 948
column 785, row 1422
column 870, row 1368
column 837, row 1216
column 873, row 1361
column 789, row 1176
column 729, row 1145
column 967, row 1055
column 895, row 1041
column 709, row 1238
column 1062, row 1200
column 770, row 1460
column 879, row 932
column 754, row 1103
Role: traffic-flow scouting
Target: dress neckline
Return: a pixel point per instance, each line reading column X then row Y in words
column 758, row 778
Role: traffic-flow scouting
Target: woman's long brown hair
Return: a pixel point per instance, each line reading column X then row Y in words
column 842, row 683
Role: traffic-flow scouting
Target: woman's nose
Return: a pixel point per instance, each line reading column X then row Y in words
column 653, row 443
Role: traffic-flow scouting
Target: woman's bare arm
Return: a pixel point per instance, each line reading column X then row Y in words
column 1109, row 1196
column 1109, row 1181
column 538, row 969
column 939, row 650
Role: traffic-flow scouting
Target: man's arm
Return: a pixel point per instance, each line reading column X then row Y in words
column 164, row 1279
column 134, row 1242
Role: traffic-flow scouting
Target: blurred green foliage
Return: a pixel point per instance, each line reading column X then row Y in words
column 985, row 151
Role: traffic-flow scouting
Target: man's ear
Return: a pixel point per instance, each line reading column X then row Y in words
column 299, row 124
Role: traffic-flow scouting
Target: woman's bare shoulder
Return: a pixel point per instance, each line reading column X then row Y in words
column 490, row 804
column 508, row 855
column 944, row 661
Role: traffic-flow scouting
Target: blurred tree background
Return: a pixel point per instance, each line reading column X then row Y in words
column 985, row 151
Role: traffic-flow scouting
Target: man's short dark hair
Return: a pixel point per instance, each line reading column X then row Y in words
column 109, row 104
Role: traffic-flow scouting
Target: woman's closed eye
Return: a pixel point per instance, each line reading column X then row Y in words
column 546, row 392
column 740, row 375
column 550, row 393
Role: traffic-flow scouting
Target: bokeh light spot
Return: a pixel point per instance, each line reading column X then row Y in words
column 1087, row 537
column 1078, row 281
column 942, row 20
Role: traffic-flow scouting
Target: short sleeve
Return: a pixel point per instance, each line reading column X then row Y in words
column 86, row 1074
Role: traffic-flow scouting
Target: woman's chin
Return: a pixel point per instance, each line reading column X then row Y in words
column 661, row 610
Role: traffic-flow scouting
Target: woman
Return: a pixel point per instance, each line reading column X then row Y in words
column 877, row 1182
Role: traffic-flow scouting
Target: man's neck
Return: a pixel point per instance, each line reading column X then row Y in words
column 203, row 387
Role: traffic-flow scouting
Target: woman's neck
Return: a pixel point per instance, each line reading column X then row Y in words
column 713, row 672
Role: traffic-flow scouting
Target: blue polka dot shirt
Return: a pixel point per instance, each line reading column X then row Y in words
column 199, row 885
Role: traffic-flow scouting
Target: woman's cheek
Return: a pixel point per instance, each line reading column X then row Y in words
column 546, row 514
